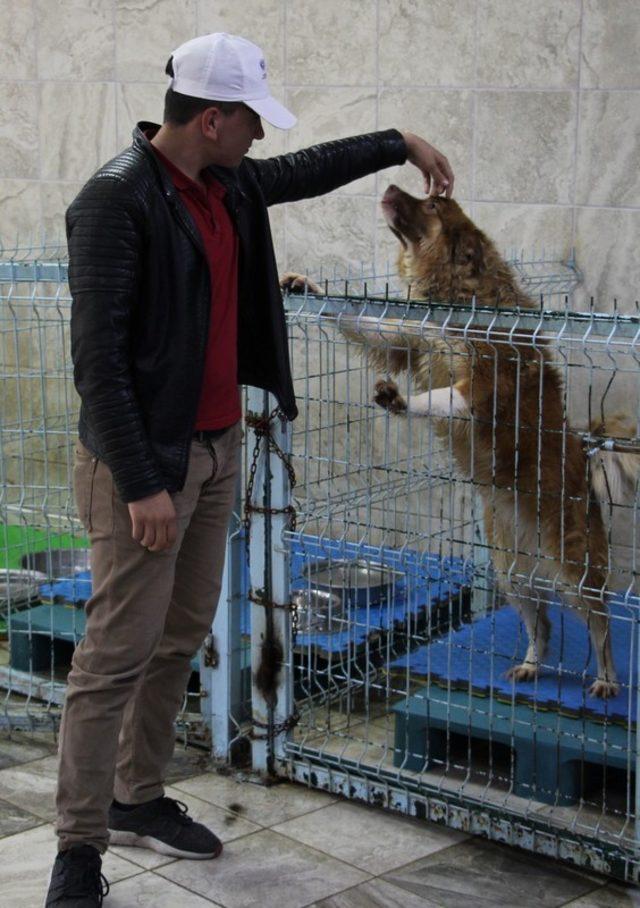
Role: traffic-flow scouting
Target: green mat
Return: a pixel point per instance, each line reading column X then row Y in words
column 16, row 541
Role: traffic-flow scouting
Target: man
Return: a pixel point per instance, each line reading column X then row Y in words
column 175, row 302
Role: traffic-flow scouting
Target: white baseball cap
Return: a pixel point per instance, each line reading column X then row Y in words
column 222, row 67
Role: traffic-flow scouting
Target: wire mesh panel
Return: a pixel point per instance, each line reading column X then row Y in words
column 45, row 570
column 464, row 568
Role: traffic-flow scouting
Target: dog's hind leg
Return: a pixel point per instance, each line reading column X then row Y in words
column 587, row 594
column 532, row 606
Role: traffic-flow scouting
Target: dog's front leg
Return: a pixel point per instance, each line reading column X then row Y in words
column 440, row 402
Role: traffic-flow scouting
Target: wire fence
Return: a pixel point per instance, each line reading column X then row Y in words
column 431, row 564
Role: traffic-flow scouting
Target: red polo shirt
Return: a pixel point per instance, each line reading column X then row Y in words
column 219, row 404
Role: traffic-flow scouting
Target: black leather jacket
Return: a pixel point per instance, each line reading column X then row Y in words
column 141, row 297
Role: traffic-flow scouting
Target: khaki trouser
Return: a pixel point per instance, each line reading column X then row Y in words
column 146, row 619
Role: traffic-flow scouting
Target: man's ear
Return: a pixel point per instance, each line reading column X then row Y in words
column 466, row 249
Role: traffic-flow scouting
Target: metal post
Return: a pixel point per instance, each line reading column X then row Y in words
column 272, row 689
column 221, row 656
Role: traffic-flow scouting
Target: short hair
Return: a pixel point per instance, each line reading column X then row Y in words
column 181, row 109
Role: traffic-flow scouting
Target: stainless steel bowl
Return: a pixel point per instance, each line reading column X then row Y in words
column 357, row 582
column 19, row 588
column 318, row 611
column 58, row 562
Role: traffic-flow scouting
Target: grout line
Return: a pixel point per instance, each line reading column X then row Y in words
column 372, row 86
column 286, row 88
column 376, row 126
column 576, row 136
column 114, row 23
column 38, row 83
column 474, row 109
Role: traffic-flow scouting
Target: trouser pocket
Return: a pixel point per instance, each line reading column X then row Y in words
column 84, row 477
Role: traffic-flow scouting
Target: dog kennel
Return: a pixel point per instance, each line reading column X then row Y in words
column 365, row 645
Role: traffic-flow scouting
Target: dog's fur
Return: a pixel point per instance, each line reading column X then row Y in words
column 541, row 493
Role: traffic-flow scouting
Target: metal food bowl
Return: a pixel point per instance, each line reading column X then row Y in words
column 318, row 611
column 57, row 562
column 357, row 583
column 18, row 588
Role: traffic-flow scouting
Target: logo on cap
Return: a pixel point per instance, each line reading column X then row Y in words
column 263, row 67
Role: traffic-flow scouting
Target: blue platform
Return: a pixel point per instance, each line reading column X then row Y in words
column 425, row 580
column 476, row 657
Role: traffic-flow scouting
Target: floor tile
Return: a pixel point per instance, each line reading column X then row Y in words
column 150, row 891
column 32, row 786
column 376, row 894
column 368, row 838
column 26, row 860
column 265, row 869
column 613, row 895
column 258, row 803
column 491, row 875
column 22, row 748
column 13, row 819
column 227, row 826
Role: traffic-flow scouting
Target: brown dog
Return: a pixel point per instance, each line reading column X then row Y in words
column 499, row 403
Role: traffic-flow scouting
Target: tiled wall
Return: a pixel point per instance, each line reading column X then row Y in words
column 537, row 106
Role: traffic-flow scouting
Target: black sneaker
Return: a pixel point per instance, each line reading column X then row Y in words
column 76, row 881
column 163, row 825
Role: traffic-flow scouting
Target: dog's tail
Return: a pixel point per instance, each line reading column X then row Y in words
column 615, row 474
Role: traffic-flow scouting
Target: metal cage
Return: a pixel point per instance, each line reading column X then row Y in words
column 391, row 598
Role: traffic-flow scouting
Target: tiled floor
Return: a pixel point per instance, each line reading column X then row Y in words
column 285, row 847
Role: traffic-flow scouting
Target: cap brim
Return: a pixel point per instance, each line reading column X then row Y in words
column 273, row 112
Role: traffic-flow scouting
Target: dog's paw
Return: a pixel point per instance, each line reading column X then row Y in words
column 387, row 396
column 527, row 671
column 604, row 690
column 296, row 283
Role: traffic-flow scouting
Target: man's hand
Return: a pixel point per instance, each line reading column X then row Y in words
column 437, row 172
column 153, row 521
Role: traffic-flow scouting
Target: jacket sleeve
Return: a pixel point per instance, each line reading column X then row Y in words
column 322, row 168
column 105, row 242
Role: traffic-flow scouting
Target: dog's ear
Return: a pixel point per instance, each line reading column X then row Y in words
column 466, row 248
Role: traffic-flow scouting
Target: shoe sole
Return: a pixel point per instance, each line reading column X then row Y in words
column 132, row 839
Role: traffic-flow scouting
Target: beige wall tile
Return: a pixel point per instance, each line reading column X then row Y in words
column 528, row 229
column 608, row 171
column 610, row 41
column 147, row 32
column 333, row 113
column 528, row 45
column 524, row 146
column 427, row 43
column 21, row 215
column 56, row 198
column 260, row 21
column 330, row 229
column 18, row 47
column 78, row 121
column 19, row 143
column 442, row 118
column 331, row 43
column 607, row 243
column 137, row 101
column 75, row 40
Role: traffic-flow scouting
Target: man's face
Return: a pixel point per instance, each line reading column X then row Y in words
column 235, row 133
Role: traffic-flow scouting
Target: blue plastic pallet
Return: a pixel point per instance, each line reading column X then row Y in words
column 476, row 657
column 551, row 751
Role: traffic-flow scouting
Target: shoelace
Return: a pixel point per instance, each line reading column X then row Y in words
column 178, row 809
column 80, row 878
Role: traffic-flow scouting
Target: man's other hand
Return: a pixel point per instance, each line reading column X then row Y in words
column 436, row 170
column 153, row 521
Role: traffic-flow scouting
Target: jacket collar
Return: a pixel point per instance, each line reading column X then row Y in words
column 228, row 176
